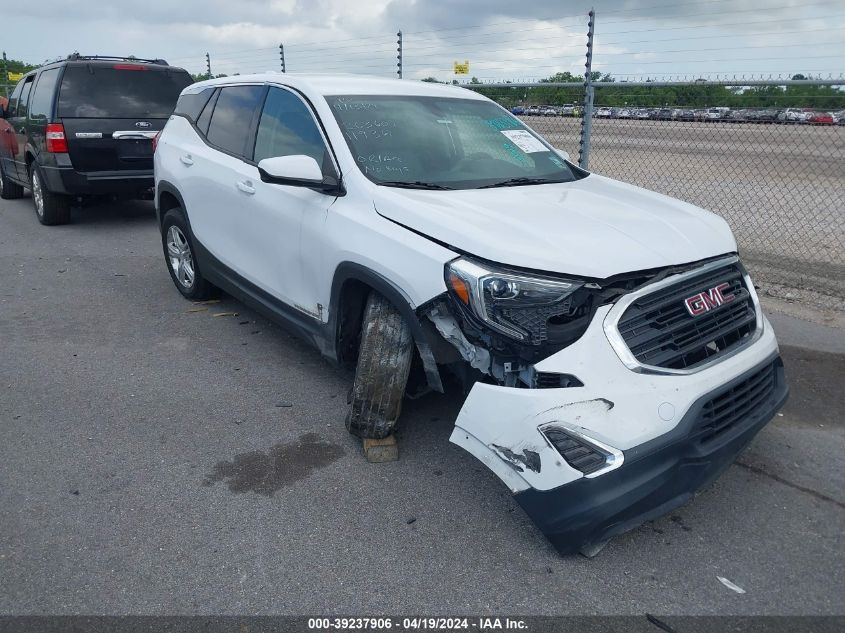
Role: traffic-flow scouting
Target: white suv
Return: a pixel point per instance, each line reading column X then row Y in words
column 614, row 353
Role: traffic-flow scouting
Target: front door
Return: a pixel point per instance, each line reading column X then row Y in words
column 17, row 120
column 272, row 215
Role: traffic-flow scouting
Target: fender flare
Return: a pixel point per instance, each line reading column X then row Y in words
column 163, row 186
column 351, row 271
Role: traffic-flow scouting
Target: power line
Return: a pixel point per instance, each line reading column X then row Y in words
column 712, row 26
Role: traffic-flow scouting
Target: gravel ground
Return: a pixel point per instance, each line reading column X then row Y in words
column 158, row 459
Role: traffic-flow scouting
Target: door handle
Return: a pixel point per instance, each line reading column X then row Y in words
column 246, row 186
column 186, row 158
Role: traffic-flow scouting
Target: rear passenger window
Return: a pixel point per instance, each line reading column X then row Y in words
column 191, row 105
column 42, row 98
column 205, row 118
column 287, row 128
column 232, row 117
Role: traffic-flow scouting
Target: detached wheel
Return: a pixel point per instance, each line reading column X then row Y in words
column 9, row 190
column 50, row 208
column 180, row 258
column 384, row 361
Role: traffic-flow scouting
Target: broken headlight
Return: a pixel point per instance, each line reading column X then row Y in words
column 520, row 305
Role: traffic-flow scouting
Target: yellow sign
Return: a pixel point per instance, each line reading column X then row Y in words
column 462, row 69
column 15, row 76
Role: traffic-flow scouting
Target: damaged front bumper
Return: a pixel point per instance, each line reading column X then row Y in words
column 589, row 462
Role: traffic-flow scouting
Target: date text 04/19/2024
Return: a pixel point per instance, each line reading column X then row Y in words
column 416, row 624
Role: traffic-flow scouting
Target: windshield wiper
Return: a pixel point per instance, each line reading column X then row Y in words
column 417, row 184
column 514, row 182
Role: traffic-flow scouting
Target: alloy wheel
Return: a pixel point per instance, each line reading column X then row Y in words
column 37, row 194
column 180, row 257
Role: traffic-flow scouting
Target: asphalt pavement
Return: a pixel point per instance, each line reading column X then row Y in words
column 160, row 457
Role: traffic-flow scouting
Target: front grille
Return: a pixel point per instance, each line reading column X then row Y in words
column 577, row 453
column 660, row 331
column 739, row 403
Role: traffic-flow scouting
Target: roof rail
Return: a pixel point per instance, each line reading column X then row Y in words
column 117, row 58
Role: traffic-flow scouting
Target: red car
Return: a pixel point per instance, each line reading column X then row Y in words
column 820, row 118
column 8, row 140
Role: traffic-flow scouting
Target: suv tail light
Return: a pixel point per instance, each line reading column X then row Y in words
column 56, row 141
column 155, row 140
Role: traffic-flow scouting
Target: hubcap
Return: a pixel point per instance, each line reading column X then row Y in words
column 37, row 194
column 180, row 257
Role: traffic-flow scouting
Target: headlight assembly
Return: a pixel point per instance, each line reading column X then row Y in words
column 515, row 304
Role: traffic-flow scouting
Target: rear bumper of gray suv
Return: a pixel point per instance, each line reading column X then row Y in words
column 68, row 181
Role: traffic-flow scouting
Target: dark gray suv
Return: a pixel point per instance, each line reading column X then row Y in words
column 84, row 126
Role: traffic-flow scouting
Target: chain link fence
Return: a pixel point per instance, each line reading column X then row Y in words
column 774, row 170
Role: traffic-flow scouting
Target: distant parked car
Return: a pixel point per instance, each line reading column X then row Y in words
column 663, row 114
column 738, row 116
column 517, row 110
column 532, row 111
column 603, row 113
column 839, row 117
column 766, row 115
column 820, row 118
column 568, row 109
column 792, row 115
column 714, row 114
column 686, row 115
column 625, row 113
column 548, row 111
column 642, row 113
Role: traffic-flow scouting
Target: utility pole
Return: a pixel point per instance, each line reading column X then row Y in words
column 399, row 56
column 587, row 115
column 282, row 56
column 208, row 65
column 5, row 75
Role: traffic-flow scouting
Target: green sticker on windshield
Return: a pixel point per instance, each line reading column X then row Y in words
column 504, row 123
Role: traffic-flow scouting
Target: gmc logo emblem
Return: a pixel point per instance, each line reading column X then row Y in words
column 708, row 300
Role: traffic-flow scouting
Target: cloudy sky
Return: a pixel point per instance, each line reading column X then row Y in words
column 502, row 39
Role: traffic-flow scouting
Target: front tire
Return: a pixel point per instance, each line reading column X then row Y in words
column 9, row 190
column 384, row 362
column 180, row 256
column 50, row 208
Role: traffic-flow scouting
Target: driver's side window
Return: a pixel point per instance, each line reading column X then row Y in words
column 23, row 102
column 287, row 128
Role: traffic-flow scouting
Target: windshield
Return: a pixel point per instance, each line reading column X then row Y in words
column 444, row 143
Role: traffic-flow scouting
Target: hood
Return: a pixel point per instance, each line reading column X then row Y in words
column 593, row 227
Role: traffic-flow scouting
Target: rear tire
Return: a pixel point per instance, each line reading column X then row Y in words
column 9, row 190
column 180, row 256
column 384, row 362
column 50, row 208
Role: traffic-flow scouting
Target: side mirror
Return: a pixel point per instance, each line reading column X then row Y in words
column 563, row 154
column 297, row 171
column 301, row 169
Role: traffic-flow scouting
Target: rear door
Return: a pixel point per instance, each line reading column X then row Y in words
column 111, row 112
